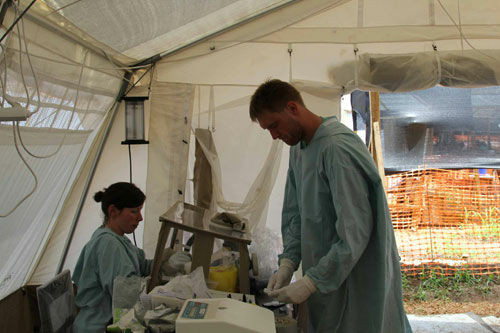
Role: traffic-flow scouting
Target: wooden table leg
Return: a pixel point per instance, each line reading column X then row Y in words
column 203, row 247
column 244, row 267
column 173, row 239
column 160, row 246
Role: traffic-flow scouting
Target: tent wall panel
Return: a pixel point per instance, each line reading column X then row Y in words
column 68, row 80
column 169, row 135
column 113, row 166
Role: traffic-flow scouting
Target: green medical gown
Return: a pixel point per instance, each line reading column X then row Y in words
column 336, row 220
column 106, row 256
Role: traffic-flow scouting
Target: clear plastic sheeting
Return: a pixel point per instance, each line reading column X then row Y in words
column 418, row 71
column 266, row 245
column 441, row 128
column 67, row 89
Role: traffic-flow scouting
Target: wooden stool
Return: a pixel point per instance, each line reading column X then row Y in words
column 183, row 216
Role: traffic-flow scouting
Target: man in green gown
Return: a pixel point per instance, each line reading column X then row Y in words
column 335, row 220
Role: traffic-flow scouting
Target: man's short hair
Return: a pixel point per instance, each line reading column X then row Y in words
column 272, row 96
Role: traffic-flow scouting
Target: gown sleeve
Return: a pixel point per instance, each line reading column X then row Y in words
column 290, row 222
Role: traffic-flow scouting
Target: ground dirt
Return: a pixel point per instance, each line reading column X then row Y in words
column 482, row 299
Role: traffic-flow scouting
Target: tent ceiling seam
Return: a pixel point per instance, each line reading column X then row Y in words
column 96, row 50
column 243, row 22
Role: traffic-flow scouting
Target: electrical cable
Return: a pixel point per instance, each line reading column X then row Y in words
column 28, row 102
column 69, row 62
column 4, row 83
column 460, row 25
column 4, row 77
column 31, row 67
column 459, row 28
column 63, row 7
column 15, row 126
column 29, row 168
column 69, row 122
column 150, row 78
column 130, row 168
column 15, row 22
column 130, row 163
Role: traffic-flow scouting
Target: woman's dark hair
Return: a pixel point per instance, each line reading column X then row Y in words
column 121, row 195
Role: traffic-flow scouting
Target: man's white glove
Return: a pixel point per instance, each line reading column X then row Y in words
column 295, row 293
column 283, row 276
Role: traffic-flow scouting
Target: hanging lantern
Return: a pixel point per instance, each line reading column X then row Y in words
column 134, row 120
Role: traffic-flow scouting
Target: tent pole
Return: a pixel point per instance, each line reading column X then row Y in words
column 123, row 88
column 3, row 11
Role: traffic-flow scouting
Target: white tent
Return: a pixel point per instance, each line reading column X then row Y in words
column 66, row 61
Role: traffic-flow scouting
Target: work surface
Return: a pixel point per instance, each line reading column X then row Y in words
column 183, row 216
column 196, row 219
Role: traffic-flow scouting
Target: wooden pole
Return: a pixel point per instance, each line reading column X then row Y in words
column 375, row 139
column 374, row 114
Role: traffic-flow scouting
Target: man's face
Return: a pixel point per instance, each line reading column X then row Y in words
column 282, row 125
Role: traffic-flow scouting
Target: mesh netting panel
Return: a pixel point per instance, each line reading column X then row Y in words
column 447, row 219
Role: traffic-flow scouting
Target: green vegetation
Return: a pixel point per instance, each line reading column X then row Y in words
column 490, row 215
column 490, row 223
column 433, row 284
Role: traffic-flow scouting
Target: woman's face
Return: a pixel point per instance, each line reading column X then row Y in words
column 125, row 221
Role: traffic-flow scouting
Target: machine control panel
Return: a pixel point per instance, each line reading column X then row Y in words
column 195, row 310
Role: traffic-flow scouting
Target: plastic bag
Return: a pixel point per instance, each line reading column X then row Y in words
column 224, row 257
column 161, row 319
column 126, row 322
column 175, row 292
column 178, row 260
column 126, row 292
column 266, row 245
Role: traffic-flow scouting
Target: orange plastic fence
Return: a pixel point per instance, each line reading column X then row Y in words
column 446, row 219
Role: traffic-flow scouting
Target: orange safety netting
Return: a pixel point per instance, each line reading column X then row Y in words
column 446, row 219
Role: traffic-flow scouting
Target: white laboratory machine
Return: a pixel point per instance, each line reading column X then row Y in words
column 223, row 315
